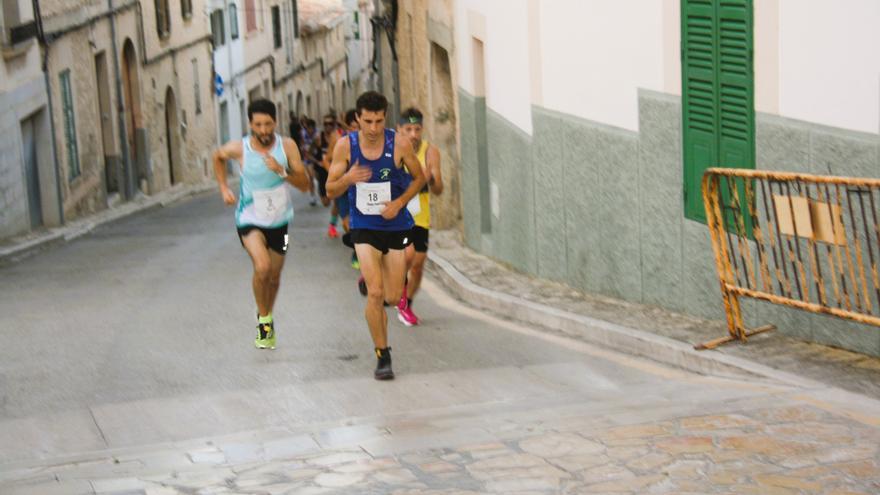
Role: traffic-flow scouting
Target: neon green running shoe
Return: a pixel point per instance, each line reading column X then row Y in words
column 265, row 336
column 354, row 262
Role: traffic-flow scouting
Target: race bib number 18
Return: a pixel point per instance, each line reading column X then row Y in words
column 372, row 196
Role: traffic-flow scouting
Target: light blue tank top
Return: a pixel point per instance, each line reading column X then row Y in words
column 256, row 176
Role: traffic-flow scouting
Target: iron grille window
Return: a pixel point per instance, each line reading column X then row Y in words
column 186, row 8
column 295, row 18
column 163, row 18
column 233, row 22
column 69, row 126
column 276, row 26
column 218, row 30
column 197, row 86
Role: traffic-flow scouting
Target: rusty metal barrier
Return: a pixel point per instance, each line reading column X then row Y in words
column 804, row 241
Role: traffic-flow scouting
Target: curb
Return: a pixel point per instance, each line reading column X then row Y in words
column 81, row 227
column 604, row 333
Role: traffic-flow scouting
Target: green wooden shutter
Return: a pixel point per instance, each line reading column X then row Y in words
column 718, row 117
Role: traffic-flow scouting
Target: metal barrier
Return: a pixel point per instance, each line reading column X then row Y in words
column 805, row 241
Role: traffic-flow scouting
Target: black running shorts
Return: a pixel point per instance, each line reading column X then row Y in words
column 420, row 239
column 276, row 239
column 381, row 239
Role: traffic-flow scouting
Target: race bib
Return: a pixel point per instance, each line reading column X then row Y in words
column 414, row 206
column 371, row 196
column 271, row 205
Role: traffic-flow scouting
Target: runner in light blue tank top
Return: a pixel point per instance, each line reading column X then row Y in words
column 256, row 177
column 270, row 164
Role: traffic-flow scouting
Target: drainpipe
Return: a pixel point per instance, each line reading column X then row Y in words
column 128, row 177
column 44, row 43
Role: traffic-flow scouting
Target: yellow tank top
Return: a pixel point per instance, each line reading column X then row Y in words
column 423, row 219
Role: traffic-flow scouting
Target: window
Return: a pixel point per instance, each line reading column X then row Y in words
column 163, row 18
column 295, row 11
column 233, row 22
column 276, row 26
column 224, row 122
column 69, row 126
column 243, row 117
column 250, row 16
column 718, row 111
column 197, row 86
column 186, row 9
column 357, row 25
column 218, row 30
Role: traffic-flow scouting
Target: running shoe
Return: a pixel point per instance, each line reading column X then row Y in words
column 313, row 202
column 355, row 263
column 265, row 336
column 383, row 365
column 405, row 313
column 332, row 232
column 362, row 286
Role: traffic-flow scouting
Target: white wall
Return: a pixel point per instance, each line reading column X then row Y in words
column 597, row 53
column 829, row 62
column 506, row 48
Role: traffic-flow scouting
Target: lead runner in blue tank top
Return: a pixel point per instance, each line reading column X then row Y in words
column 368, row 166
column 269, row 165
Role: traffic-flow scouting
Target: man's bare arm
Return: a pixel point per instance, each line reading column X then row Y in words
column 432, row 159
column 340, row 176
column 297, row 177
column 229, row 151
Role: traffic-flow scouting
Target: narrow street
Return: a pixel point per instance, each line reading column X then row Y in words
column 126, row 363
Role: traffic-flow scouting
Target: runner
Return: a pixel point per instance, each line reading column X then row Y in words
column 342, row 204
column 429, row 157
column 323, row 146
column 269, row 165
column 367, row 165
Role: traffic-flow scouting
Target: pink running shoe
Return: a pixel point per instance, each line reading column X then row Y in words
column 405, row 314
column 332, row 232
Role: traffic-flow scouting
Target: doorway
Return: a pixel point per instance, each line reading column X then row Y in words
column 31, row 172
column 172, row 137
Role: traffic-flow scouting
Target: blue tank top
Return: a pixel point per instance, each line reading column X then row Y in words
column 256, row 176
column 384, row 170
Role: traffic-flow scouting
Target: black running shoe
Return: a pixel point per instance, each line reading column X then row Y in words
column 362, row 286
column 383, row 366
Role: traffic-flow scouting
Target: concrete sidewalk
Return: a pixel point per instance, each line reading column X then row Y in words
column 20, row 247
column 645, row 331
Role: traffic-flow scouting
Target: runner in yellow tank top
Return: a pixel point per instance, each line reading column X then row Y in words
column 416, row 254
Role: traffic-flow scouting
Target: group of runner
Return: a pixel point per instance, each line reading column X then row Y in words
column 379, row 181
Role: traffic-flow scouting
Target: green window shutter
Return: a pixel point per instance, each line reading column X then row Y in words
column 718, row 118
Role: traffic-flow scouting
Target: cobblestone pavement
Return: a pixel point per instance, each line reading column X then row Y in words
column 798, row 445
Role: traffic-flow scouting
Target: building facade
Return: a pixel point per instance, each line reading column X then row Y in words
column 129, row 100
column 577, row 158
column 427, row 74
column 229, row 68
column 30, row 195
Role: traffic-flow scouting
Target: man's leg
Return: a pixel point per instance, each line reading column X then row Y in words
column 256, row 247
column 276, row 264
column 374, row 312
column 416, row 270
column 393, row 274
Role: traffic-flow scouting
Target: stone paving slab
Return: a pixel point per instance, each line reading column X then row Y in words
column 639, row 323
column 792, row 448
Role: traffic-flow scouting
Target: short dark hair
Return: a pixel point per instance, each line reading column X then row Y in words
column 350, row 116
column 411, row 115
column 372, row 101
column 261, row 105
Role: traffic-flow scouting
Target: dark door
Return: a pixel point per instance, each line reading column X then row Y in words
column 29, row 155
